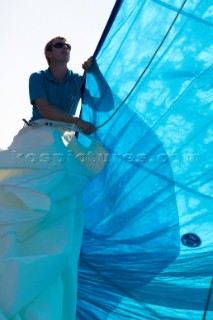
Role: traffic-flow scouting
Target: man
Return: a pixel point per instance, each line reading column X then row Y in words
column 54, row 92
column 48, row 197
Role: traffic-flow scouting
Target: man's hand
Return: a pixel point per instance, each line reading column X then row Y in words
column 88, row 64
column 87, row 127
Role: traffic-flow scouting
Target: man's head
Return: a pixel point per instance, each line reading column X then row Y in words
column 54, row 46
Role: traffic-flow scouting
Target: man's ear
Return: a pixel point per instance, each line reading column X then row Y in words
column 48, row 54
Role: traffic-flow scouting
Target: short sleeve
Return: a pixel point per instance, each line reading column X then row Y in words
column 36, row 87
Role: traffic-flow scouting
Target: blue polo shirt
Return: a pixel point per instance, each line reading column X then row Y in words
column 42, row 85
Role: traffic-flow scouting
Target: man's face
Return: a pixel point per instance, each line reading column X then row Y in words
column 60, row 51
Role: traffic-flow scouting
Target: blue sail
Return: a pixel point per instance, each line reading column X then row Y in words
column 147, row 249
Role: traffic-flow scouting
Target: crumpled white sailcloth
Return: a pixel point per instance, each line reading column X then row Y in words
column 42, row 176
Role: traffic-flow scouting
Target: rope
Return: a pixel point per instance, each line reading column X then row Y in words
column 146, row 68
column 142, row 74
column 208, row 300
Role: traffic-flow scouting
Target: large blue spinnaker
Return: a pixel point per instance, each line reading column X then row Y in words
column 147, row 250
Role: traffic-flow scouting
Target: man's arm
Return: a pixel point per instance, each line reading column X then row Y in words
column 50, row 112
column 91, row 66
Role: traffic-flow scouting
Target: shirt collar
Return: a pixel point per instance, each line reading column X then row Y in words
column 50, row 77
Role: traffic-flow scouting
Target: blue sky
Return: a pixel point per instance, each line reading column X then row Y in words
column 25, row 27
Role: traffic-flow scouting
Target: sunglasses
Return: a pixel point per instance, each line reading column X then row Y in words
column 60, row 45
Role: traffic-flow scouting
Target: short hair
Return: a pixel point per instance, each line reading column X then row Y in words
column 49, row 46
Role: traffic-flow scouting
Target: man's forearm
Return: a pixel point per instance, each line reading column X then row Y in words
column 52, row 113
